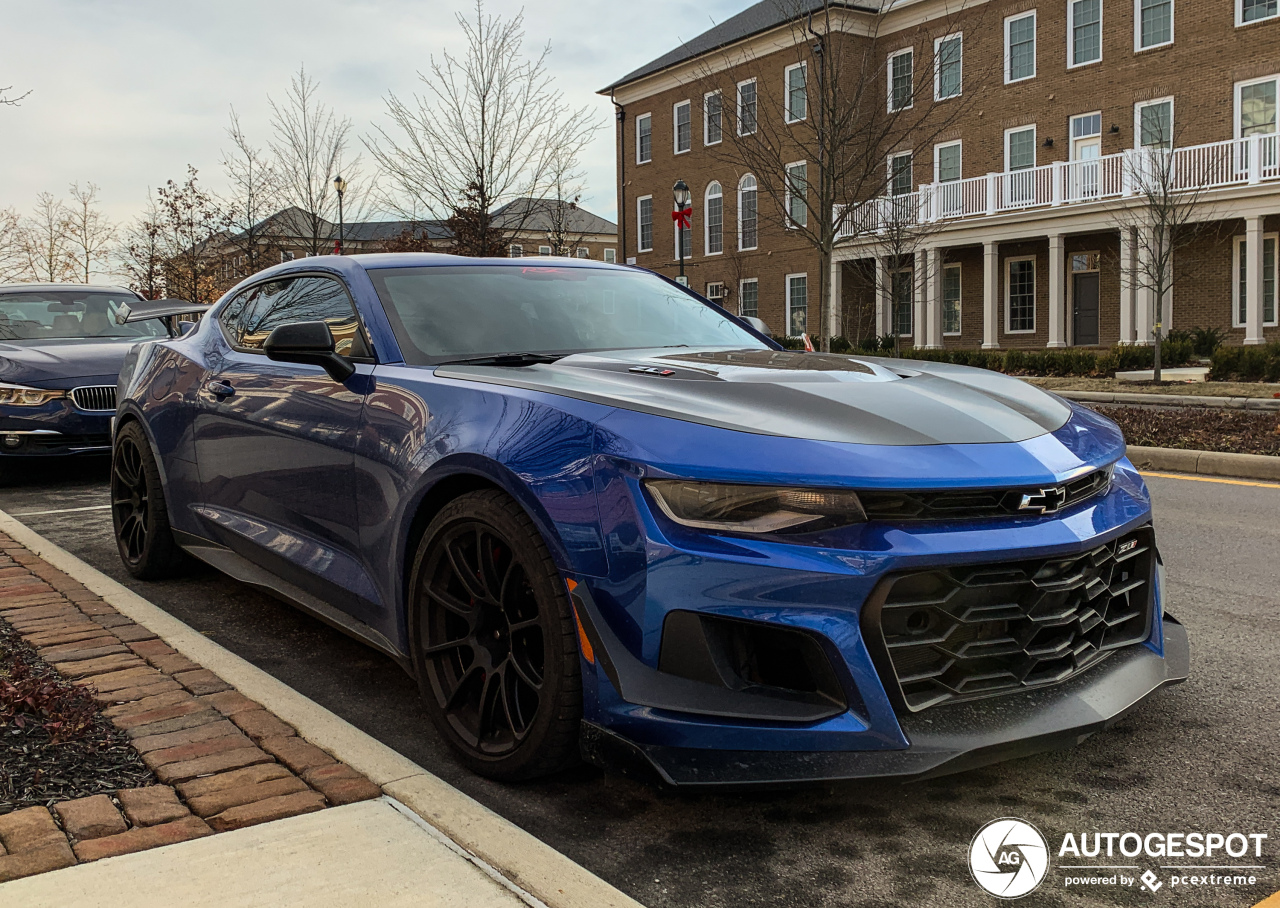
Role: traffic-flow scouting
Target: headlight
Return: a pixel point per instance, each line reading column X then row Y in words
column 22, row 396
column 755, row 509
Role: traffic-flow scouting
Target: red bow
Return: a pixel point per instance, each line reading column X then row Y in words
column 683, row 217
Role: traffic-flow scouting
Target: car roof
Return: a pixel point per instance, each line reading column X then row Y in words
column 73, row 288
column 427, row 259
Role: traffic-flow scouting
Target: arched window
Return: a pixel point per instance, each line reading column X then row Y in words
column 747, row 212
column 714, row 207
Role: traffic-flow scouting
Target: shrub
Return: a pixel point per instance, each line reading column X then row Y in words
column 64, row 710
column 1069, row 362
column 1206, row 341
column 1260, row 363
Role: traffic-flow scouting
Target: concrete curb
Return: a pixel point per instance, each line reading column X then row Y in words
column 1206, row 463
column 528, row 863
column 1171, row 400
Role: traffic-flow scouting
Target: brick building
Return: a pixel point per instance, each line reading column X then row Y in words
column 1024, row 172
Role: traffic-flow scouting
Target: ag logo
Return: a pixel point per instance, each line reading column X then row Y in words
column 1008, row 857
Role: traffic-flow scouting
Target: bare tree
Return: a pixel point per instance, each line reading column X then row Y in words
column 90, row 236
column 255, row 194
column 835, row 120
column 141, row 253
column 6, row 101
column 310, row 149
column 190, row 222
column 46, row 247
column 12, row 261
column 559, row 211
column 491, row 128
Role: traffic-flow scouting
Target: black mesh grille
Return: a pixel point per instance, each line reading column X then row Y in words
column 899, row 506
column 95, row 397
column 968, row 632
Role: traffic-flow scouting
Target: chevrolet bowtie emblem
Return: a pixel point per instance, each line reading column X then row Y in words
column 1045, row 501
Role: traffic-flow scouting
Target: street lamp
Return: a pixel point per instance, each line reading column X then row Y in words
column 682, row 214
column 341, row 186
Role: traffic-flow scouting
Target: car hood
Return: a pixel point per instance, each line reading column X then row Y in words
column 64, row 363
column 824, row 397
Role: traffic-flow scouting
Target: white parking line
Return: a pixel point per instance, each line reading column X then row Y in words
column 96, row 507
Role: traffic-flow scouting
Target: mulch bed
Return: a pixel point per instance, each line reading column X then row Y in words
column 1199, row 429
column 55, row 744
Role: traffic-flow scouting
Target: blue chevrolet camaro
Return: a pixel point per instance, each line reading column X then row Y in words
column 593, row 514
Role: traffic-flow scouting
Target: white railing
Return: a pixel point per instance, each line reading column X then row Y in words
column 1218, row 165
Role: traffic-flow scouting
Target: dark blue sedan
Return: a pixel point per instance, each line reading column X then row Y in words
column 593, row 514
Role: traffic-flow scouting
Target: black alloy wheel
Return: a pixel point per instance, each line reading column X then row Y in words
column 138, row 512
column 493, row 640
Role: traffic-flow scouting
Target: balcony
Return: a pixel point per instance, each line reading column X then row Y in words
column 1129, row 174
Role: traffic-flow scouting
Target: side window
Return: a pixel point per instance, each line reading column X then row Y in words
column 301, row 299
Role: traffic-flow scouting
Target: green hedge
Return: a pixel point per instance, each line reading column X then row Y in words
column 1261, row 363
column 1062, row 362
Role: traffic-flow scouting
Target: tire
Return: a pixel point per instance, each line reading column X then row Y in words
column 493, row 640
column 138, row 512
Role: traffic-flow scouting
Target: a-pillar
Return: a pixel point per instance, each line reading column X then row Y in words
column 1127, row 286
column 1057, row 291
column 991, row 296
column 1253, row 275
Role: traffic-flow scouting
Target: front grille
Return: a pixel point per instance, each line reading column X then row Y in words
column 898, row 506
column 95, row 397
column 963, row 633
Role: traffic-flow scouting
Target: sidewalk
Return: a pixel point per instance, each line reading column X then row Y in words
column 265, row 797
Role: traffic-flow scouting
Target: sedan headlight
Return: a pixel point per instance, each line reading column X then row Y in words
column 22, row 396
column 734, row 508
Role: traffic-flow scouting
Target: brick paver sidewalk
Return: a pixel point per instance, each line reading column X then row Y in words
column 223, row 760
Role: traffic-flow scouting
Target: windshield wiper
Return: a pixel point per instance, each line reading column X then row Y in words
column 506, row 359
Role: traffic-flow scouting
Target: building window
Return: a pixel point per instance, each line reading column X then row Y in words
column 1153, row 123
column 286, row 256
column 951, row 299
column 797, row 194
column 948, row 67
column 900, row 176
column 682, row 233
column 544, row 250
column 797, row 304
column 1020, row 148
column 644, row 219
column 749, row 298
column 1153, row 23
column 901, row 80
column 714, row 205
column 946, row 162
column 747, row 213
column 515, row 251
column 1256, row 107
column 715, row 292
column 610, row 256
column 1240, row 309
column 797, row 93
column 644, row 139
column 902, row 294
column 747, row 108
column 1020, row 296
column 1020, row 47
column 1256, row 10
column 712, row 118
column 583, row 252
column 1084, row 32
column 683, row 117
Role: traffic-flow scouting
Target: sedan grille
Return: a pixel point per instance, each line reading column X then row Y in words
column 895, row 506
column 968, row 632
column 95, row 397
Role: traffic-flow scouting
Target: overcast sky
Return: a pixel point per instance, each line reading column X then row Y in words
column 126, row 93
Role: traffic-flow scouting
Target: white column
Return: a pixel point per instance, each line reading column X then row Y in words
column 921, row 275
column 835, row 306
column 884, row 286
column 1127, row 335
column 1253, row 249
column 991, row 296
column 1057, row 292
column 1144, row 315
column 933, row 301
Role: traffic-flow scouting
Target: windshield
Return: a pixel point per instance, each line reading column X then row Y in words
column 58, row 314
column 460, row 311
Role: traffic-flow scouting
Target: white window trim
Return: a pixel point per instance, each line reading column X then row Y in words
column 548, row 252
column 889, row 74
column 511, row 251
column 1239, row 86
column 609, row 255
column 945, row 268
column 786, row 93
column 742, row 248
column 640, row 225
column 706, row 124
column 1035, row 51
column 581, row 249
column 1008, row 294
column 1035, row 144
column 675, row 127
column 649, row 117
column 706, row 221
column 786, row 179
column 1236, row 243
column 737, row 104
column 742, row 282
column 1071, row 35
column 937, row 157
column 937, row 66
column 787, row 285
column 1137, row 27
column 1137, row 118
column 1240, row 23
column 889, row 159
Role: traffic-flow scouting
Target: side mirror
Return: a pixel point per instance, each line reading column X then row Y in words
column 311, row 343
column 185, row 328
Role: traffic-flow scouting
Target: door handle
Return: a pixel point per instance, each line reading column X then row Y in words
column 220, row 389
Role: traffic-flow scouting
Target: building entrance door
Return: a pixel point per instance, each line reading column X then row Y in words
column 1084, row 294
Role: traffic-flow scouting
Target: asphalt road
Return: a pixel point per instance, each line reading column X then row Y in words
column 1198, row 757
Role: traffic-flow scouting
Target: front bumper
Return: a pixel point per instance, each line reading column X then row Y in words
column 943, row 740
column 59, row 428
